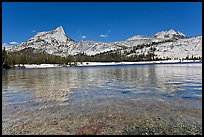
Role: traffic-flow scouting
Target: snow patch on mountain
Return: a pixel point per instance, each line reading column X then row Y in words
column 181, row 48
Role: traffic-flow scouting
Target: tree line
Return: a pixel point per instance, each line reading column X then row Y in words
column 29, row 56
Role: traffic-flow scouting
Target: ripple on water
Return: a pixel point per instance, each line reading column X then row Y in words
column 69, row 95
column 174, row 82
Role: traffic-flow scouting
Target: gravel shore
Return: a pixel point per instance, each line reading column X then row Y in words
column 109, row 117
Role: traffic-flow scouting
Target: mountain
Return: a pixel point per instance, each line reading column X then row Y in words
column 180, row 48
column 170, row 34
column 166, row 44
column 48, row 42
column 57, row 34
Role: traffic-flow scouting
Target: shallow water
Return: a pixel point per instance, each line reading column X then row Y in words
column 128, row 99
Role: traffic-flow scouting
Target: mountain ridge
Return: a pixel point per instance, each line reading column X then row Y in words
column 56, row 42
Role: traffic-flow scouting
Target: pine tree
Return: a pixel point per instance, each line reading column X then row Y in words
column 5, row 59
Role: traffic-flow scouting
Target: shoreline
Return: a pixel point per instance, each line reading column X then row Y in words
column 83, row 64
column 138, row 63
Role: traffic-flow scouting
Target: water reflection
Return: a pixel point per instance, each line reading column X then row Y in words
column 179, row 78
column 58, row 84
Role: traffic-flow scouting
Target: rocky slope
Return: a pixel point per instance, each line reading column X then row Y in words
column 166, row 43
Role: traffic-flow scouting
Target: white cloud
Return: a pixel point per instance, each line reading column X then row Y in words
column 13, row 43
column 4, row 44
column 83, row 37
column 104, row 35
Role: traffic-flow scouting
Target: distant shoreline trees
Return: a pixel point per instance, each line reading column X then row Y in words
column 28, row 56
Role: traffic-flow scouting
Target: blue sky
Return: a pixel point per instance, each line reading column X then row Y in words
column 99, row 21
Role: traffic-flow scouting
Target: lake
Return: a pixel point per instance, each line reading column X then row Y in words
column 127, row 99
